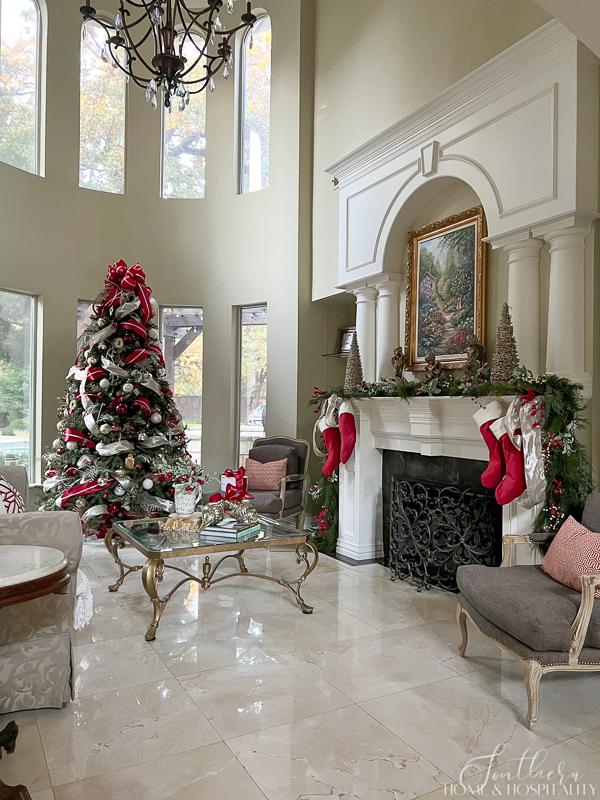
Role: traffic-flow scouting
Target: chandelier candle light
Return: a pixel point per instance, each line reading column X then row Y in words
column 170, row 27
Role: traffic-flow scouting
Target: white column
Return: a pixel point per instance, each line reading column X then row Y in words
column 566, row 303
column 366, row 314
column 524, row 299
column 388, row 324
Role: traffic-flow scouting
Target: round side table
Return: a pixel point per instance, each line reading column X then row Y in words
column 28, row 571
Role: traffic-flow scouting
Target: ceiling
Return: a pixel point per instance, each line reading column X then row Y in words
column 581, row 17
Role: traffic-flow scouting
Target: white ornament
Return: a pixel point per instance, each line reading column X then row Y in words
column 155, row 418
column 57, row 443
column 147, row 484
column 71, row 445
column 105, row 428
column 105, row 384
column 128, row 387
column 153, row 333
column 119, row 491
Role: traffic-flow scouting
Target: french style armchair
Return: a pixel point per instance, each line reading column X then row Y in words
column 35, row 636
column 546, row 626
column 289, row 501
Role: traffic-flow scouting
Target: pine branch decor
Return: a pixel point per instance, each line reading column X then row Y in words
column 354, row 370
column 506, row 358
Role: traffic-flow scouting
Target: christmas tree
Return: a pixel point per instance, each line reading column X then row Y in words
column 354, row 371
column 506, row 358
column 121, row 442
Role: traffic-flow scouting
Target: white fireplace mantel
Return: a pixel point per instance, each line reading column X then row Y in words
column 430, row 426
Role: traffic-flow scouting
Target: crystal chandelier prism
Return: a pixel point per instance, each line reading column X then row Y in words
column 164, row 45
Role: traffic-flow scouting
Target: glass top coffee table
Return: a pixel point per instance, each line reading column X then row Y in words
column 147, row 537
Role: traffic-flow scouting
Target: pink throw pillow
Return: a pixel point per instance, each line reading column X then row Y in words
column 265, row 477
column 574, row 552
column 11, row 501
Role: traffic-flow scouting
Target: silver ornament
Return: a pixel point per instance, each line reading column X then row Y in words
column 119, row 491
column 147, row 484
column 142, row 437
column 155, row 418
column 161, row 372
column 128, row 387
column 105, row 428
column 71, row 445
column 104, row 384
column 57, row 443
column 153, row 333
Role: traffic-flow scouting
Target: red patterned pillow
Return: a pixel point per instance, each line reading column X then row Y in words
column 265, row 477
column 574, row 552
column 10, row 499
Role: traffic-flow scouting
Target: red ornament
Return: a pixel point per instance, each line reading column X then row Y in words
column 129, row 338
column 113, row 508
column 71, row 472
column 169, row 476
column 50, row 473
column 167, row 390
column 121, row 408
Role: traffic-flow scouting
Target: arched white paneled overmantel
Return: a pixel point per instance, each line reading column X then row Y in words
column 521, row 132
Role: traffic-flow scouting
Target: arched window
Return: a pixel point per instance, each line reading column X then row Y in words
column 184, row 139
column 102, row 106
column 20, row 83
column 255, row 106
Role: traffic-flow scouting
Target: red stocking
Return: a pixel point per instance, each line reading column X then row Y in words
column 513, row 483
column 331, row 437
column 494, row 472
column 347, row 431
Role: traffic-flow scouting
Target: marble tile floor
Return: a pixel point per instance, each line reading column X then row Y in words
column 241, row 696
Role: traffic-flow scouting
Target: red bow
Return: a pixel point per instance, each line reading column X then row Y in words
column 143, row 403
column 120, row 278
column 135, row 280
column 232, row 495
column 138, row 355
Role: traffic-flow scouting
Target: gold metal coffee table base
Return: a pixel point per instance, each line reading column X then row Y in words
column 153, row 573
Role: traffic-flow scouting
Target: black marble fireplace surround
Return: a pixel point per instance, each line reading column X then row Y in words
column 437, row 516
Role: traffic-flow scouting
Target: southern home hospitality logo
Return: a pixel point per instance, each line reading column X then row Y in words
column 531, row 774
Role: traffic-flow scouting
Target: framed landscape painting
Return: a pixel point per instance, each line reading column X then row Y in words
column 445, row 289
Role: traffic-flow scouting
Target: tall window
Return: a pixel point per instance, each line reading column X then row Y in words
column 184, row 140
column 183, row 339
column 255, row 110
column 253, row 377
column 20, row 46
column 17, row 336
column 102, row 104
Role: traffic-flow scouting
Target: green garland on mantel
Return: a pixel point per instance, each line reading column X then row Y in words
column 568, row 472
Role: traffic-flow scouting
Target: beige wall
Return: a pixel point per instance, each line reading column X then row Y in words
column 223, row 251
column 375, row 65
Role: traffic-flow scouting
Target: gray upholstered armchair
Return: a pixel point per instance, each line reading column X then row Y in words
column 35, row 636
column 548, row 627
column 289, row 501
column 32, row 493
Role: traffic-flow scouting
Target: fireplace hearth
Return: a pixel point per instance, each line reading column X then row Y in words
column 437, row 516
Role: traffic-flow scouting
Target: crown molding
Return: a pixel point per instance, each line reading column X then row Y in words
column 474, row 91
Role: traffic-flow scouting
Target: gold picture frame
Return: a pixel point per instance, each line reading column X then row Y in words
column 445, row 302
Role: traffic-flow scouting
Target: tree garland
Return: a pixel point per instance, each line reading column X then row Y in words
column 325, row 493
column 567, row 469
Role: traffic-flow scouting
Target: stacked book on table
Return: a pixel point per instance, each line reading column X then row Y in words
column 230, row 530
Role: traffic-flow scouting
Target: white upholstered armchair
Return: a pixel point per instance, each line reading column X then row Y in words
column 35, row 636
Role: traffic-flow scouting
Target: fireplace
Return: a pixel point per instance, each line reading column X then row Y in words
column 437, row 516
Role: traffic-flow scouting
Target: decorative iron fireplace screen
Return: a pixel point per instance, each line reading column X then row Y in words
column 434, row 528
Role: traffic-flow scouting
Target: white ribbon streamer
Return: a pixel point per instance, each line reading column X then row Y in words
column 152, row 385
column 94, row 511
column 114, row 448
column 111, row 367
column 51, row 483
column 155, row 441
column 102, row 334
column 127, row 308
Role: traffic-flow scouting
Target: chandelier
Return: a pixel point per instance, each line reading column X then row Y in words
column 163, row 45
